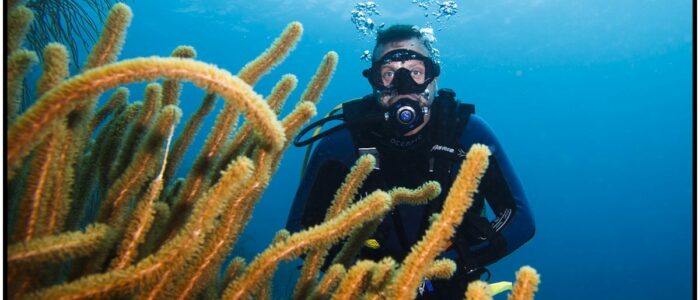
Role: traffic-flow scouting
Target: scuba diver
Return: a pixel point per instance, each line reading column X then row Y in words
column 416, row 133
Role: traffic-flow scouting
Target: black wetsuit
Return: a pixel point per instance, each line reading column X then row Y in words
column 405, row 162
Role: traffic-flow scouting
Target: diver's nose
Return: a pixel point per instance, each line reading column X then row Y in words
column 398, row 97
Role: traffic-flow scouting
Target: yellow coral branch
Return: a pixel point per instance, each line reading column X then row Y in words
column 241, row 141
column 238, row 211
column 234, row 217
column 355, row 282
column 353, row 181
column 277, row 52
column 323, row 75
column 355, row 243
column 138, row 227
column 343, row 198
column 68, row 157
column 18, row 64
column 526, row 282
column 19, row 282
column 37, row 188
column 162, row 214
column 111, row 137
column 59, row 199
column 114, row 206
column 301, row 114
column 137, row 129
column 101, row 153
column 400, row 195
column 421, row 195
column 458, row 200
column 188, row 133
column 172, row 87
column 200, row 272
column 313, row 92
column 151, row 104
column 280, row 236
column 201, row 264
column 441, row 269
column 18, row 20
column 142, row 168
column 112, row 38
column 234, row 269
column 118, row 99
column 330, row 280
column 169, row 258
column 70, row 102
column 252, row 72
column 382, row 274
column 280, row 92
column 266, row 291
column 103, row 52
column 292, row 123
column 58, row 248
column 55, row 67
column 371, row 207
column 143, row 217
column 95, row 167
column 477, row 290
column 184, row 51
column 32, row 126
column 197, row 180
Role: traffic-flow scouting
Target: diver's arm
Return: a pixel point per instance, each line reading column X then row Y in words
column 513, row 224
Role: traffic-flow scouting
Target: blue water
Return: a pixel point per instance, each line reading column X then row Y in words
column 592, row 101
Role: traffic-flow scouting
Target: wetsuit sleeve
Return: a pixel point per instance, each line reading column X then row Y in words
column 513, row 224
column 324, row 174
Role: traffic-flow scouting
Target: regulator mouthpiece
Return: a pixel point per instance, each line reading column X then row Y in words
column 405, row 115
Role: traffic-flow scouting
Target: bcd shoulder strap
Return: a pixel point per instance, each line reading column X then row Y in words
column 452, row 118
column 358, row 115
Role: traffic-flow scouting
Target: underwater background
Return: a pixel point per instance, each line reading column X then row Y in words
column 592, row 101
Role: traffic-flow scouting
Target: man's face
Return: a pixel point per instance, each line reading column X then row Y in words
column 415, row 67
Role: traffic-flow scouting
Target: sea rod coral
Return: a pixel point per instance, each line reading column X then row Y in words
column 96, row 211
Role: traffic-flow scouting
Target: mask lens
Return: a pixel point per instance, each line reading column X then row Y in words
column 383, row 74
column 414, row 67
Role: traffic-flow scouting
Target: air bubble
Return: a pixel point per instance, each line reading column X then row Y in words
column 361, row 18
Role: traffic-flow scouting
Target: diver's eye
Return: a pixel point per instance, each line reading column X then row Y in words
column 387, row 75
column 418, row 75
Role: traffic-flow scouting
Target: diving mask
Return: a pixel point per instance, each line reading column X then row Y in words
column 402, row 81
